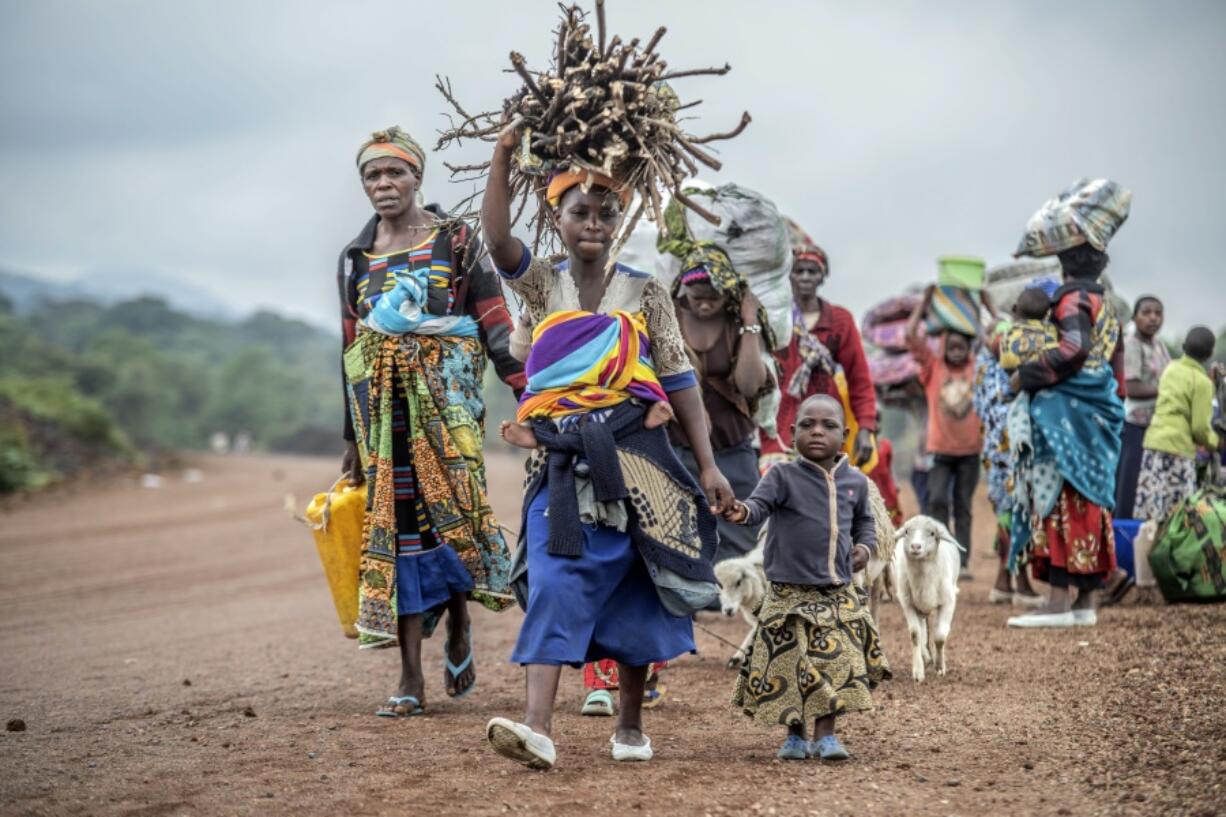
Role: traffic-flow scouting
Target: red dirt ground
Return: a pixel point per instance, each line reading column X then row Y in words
column 175, row 652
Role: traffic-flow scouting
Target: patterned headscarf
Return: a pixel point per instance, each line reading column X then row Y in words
column 564, row 180
column 707, row 262
column 395, row 144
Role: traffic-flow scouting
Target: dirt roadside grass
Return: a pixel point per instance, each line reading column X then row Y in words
column 175, row 652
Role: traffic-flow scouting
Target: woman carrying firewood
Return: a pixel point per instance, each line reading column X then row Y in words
column 604, row 570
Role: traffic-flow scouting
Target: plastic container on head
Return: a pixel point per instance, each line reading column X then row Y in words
column 963, row 271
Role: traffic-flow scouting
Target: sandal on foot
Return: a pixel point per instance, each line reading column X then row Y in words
column 452, row 672
column 599, row 703
column 654, row 697
column 518, row 742
column 794, row 748
column 405, row 706
column 829, row 748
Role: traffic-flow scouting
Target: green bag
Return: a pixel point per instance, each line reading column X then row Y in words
column 1189, row 558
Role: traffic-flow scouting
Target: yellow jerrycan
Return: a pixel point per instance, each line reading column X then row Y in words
column 336, row 519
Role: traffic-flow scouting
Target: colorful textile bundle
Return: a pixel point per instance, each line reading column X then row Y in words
column 582, row 361
column 1089, row 211
column 402, row 310
column 955, row 309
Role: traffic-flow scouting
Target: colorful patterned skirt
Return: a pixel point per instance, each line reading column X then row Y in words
column 418, row 420
column 1074, row 542
column 816, row 652
column 1165, row 481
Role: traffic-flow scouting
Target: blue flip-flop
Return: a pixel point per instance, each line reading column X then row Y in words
column 794, row 748
column 828, row 748
column 389, row 711
column 454, row 671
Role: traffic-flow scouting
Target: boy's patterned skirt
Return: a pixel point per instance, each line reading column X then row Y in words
column 816, row 652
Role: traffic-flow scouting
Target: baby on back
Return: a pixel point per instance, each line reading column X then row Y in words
column 1032, row 333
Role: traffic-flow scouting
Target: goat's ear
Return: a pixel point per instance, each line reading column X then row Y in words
column 948, row 537
column 904, row 531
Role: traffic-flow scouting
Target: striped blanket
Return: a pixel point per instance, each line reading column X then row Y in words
column 582, row 361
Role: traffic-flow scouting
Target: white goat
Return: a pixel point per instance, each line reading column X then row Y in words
column 926, row 566
column 742, row 587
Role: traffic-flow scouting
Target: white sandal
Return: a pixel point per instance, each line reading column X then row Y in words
column 520, row 743
column 624, row 751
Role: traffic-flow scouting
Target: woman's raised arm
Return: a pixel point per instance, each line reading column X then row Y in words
column 505, row 249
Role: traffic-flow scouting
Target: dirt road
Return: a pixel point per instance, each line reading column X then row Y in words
column 174, row 652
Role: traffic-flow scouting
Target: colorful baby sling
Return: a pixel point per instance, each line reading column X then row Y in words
column 582, row 361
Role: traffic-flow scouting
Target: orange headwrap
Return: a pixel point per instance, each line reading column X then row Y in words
column 561, row 182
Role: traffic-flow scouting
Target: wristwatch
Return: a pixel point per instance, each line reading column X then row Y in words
column 755, row 329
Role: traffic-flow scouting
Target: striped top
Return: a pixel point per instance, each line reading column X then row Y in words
column 375, row 274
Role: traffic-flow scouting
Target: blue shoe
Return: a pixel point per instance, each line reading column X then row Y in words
column 454, row 671
column 828, row 748
column 794, row 748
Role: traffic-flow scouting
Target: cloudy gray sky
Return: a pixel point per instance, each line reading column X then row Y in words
column 214, row 141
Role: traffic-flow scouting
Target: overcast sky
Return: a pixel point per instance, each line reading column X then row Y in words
column 215, row 140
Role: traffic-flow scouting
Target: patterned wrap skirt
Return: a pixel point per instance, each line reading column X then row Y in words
column 816, row 652
column 429, row 533
column 1076, row 538
column 1165, row 481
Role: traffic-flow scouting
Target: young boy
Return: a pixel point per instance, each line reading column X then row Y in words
column 1181, row 421
column 954, row 431
column 816, row 652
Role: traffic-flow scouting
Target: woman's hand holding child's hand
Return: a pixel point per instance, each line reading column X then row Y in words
column 736, row 512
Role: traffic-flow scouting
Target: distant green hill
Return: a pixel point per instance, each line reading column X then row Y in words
column 82, row 383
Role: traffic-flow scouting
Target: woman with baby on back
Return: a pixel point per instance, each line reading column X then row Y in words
column 618, row 538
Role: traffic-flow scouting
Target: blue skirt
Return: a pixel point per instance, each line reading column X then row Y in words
column 601, row 604
column 428, row 579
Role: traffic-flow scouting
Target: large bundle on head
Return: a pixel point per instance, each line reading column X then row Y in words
column 752, row 234
column 1087, row 212
column 604, row 107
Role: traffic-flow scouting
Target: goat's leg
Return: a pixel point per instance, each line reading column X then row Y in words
column 874, row 600
column 918, row 629
column 945, row 619
column 739, row 656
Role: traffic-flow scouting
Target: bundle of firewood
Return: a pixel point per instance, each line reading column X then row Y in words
column 603, row 106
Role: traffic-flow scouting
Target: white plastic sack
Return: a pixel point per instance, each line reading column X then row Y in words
column 755, row 238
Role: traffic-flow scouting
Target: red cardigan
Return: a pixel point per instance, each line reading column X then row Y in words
column 837, row 329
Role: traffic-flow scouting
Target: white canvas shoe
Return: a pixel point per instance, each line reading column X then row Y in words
column 1050, row 621
column 1085, row 618
column 624, row 751
column 518, row 742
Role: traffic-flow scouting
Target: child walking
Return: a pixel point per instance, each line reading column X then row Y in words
column 955, row 435
column 816, row 653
